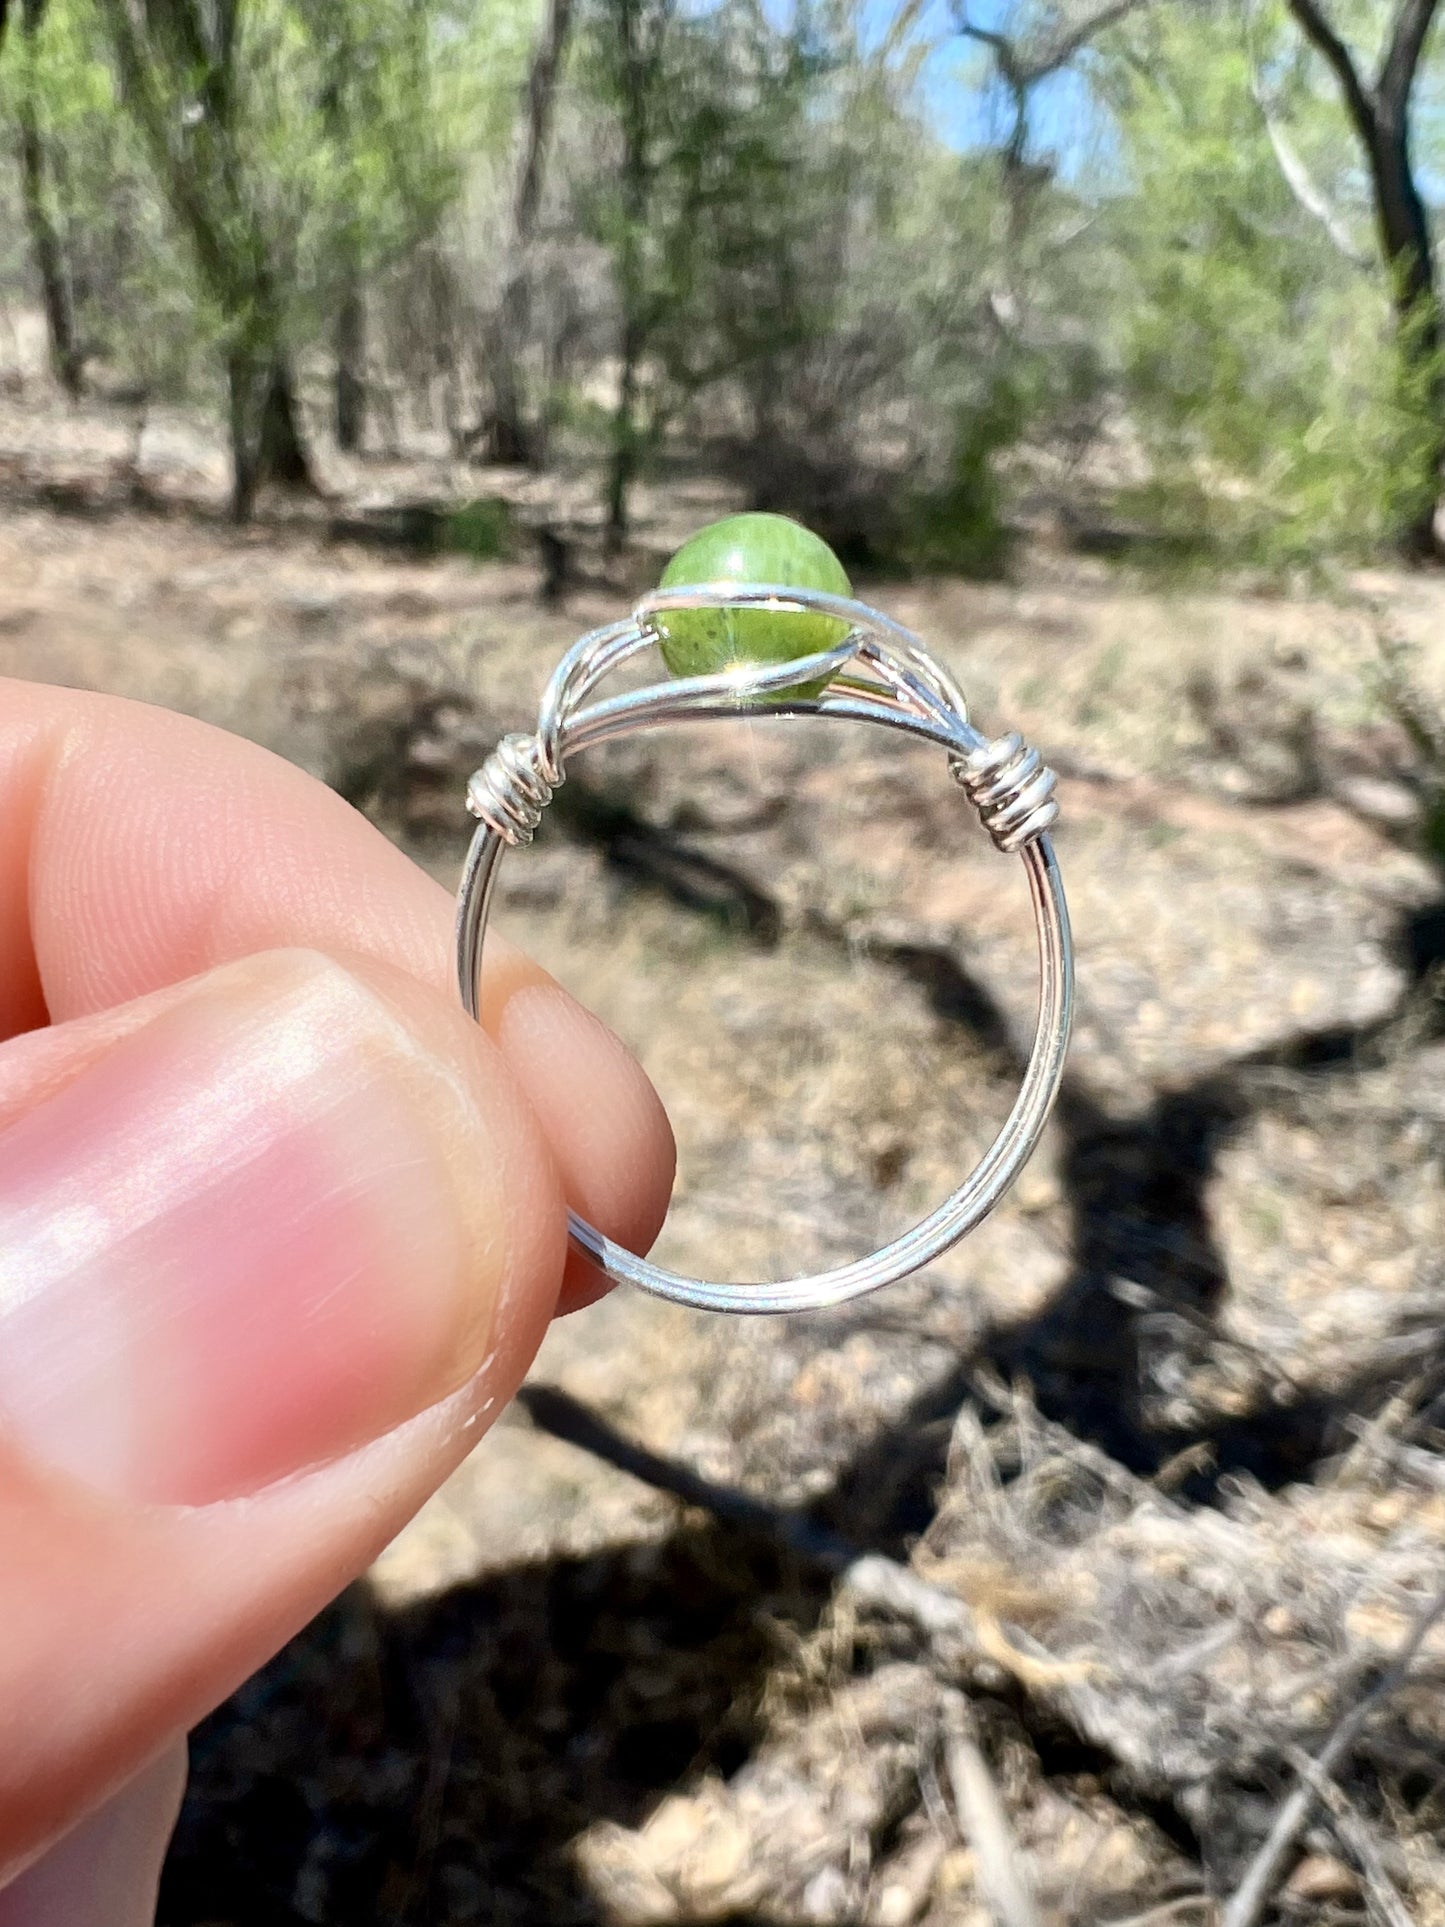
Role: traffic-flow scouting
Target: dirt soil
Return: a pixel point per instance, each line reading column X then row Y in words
column 1165, row 1427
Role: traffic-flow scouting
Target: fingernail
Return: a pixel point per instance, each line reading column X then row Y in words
column 268, row 1226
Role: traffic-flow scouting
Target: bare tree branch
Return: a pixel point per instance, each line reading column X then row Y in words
column 541, row 101
column 1326, row 41
column 1024, row 70
column 1001, row 45
column 899, row 28
column 1402, row 58
column 1021, row 71
column 1075, row 41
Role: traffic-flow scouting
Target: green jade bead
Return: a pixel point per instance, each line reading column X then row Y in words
column 742, row 550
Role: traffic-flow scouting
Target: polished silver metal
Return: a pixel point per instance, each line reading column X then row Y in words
column 879, row 673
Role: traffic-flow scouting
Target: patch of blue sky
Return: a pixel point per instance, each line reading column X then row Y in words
column 971, row 111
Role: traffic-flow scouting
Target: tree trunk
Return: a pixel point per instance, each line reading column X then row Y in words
column 175, row 55
column 282, row 454
column 65, row 358
column 332, row 24
column 55, row 293
column 242, row 385
column 1381, row 119
column 508, row 436
column 351, row 369
column 637, row 72
column 266, row 442
column 1407, row 245
column 622, row 467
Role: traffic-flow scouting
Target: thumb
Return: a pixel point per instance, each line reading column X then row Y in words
column 106, row 1872
column 272, row 1222
column 248, row 1225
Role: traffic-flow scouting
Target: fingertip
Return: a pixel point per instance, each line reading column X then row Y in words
column 106, row 1871
column 603, row 1119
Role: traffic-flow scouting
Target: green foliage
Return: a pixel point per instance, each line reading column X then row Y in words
column 802, row 272
column 314, row 128
column 484, row 529
column 1260, row 367
column 132, row 292
column 706, row 119
column 962, row 524
column 224, row 174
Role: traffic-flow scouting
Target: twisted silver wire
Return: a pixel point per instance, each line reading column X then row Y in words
column 879, row 673
column 1011, row 788
column 514, row 786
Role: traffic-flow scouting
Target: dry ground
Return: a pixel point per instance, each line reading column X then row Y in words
column 1166, row 1426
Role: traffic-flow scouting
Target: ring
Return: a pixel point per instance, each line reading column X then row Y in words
column 879, row 673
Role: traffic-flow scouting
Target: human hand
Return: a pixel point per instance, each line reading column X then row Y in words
column 280, row 1231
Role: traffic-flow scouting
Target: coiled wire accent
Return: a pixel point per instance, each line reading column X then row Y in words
column 513, row 787
column 1011, row 787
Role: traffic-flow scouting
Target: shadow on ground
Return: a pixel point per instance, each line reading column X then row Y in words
column 1147, row 1279
column 433, row 1764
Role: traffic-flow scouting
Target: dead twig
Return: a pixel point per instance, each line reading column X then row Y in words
column 1355, row 1837
column 1250, row 1898
column 984, row 1823
column 1166, row 1910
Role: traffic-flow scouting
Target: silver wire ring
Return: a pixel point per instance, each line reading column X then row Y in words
column 879, row 673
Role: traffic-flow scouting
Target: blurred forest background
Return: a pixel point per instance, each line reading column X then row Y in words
column 1165, row 272
column 356, row 356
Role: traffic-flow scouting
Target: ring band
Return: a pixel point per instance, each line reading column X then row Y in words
column 879, row 673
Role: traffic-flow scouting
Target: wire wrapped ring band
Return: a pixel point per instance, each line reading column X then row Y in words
column 879, row 673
